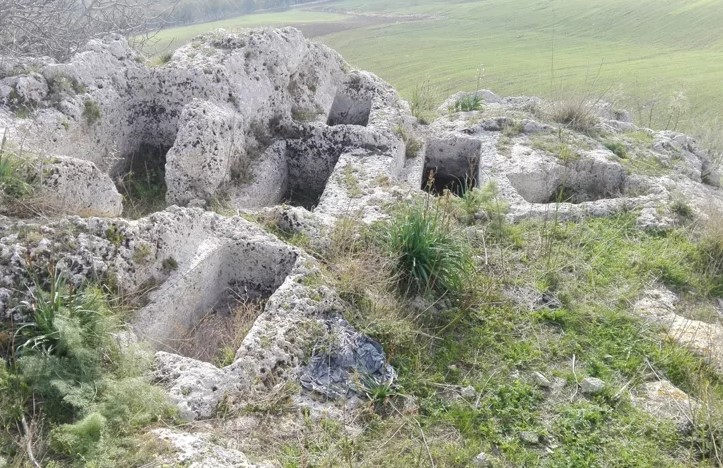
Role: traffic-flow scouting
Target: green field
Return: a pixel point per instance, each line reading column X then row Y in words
column 640, row 53
column 169, row 39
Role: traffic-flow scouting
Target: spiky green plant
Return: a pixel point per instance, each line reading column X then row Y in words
column 13, row 177
column 428, row 256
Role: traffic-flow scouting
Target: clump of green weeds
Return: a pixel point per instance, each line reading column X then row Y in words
column 467, row 103
column 422, row 101
column 91, row 112
column 429, row 257
column 412, row 144
column 617, row 148
column 15, row 177
column 66, row 370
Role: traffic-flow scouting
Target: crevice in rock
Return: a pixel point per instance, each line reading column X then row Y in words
column 349, row 110
column 451, row 164
column 142, row 181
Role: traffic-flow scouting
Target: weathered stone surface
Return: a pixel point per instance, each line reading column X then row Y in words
column 211, row 255
column 277, row 127
column 592, row 386
column 193, row 384
column 264, row 113
column 529, row 437
column 589, row 181
column 75, row 186
column 540, row 380
column 197, row 451
column 664, row 400
column 704, row 339
column 482, row 460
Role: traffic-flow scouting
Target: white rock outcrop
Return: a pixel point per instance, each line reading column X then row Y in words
column 76, row 186
column 263, row 115
column 704, row 339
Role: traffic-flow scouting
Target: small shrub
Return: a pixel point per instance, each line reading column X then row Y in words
column 428, row 257
column 485, row 199
column 80, row 438
column 682, row 209
column 91, row 112
column 15, row 180
column 165, row 58
column 618, row 149
column 468, row 103
column 422, row 102
column 66, row 368
column 114, row 235
column 575, row 114
column 169, row 265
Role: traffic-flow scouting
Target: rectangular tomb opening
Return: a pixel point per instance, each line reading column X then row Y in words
column 350, row 107
column 309, row 167
column 142, row 181
column 451, row 164
column 205, row 311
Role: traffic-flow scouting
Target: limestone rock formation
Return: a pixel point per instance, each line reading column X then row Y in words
column 227, row 112
column 664, row 400
column 277, row 128
column 704, row 339
column 540, row 167
column 197, row 451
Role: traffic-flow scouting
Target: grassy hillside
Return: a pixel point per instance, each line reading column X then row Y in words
column 170, row 39
column 644, row 49
column 649, row 51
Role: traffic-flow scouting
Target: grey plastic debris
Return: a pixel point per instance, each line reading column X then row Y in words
column 347, row 362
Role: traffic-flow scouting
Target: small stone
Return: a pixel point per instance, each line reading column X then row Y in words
column 558, row 383
column 530, row 437
column 468, row 392
column 592, row 386
column 410, row 406
column 541, row 380
column 481, row 215
column 482, row 460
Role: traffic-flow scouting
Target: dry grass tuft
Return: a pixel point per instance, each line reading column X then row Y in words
column 219, row 333
column 576, row 114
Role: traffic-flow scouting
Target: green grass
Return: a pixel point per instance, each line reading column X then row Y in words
column 487, row 340
column 645, row 50
column 14, row 178
column 649, row 48
column 79, row 388
column 170, row 39
column 428, row 257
